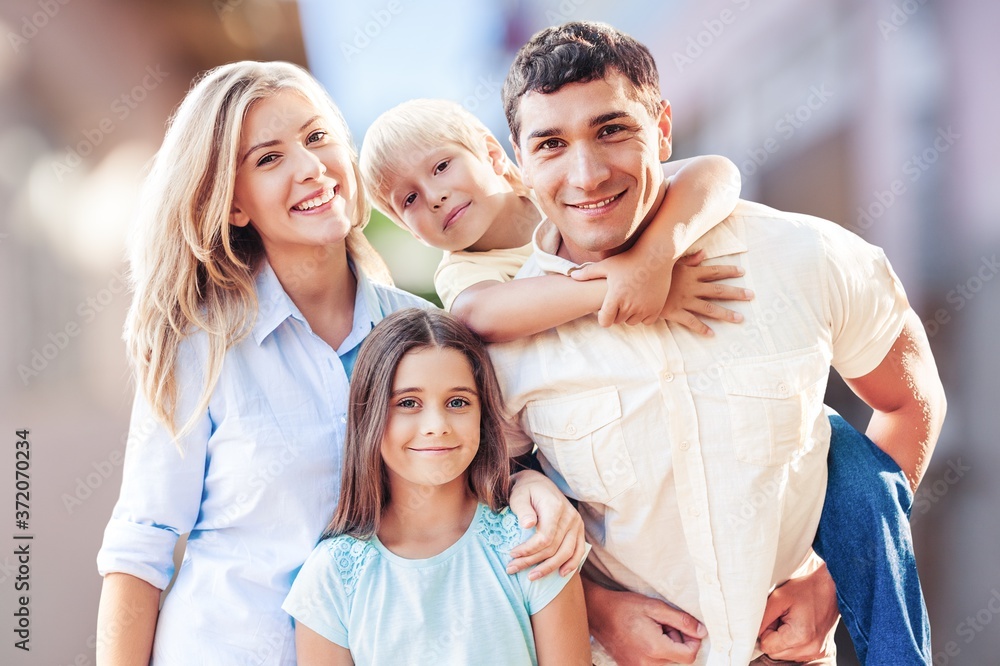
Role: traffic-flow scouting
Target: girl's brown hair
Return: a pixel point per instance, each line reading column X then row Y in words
column 364, row 486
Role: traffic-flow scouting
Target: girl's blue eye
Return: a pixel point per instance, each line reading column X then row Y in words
column 458, row 403
column 407, row 403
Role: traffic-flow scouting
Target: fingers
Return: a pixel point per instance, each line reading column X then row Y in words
column 693, row 259
column 720, row 272
column 520, row 505
column 689, row 321
column 774, row 609
column 589, row 272
column 536, row 549
column 668, row 616
column 723, row 292
column 577, row 537
column 712, row 310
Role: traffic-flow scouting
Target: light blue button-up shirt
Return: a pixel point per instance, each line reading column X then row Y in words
column 256, row 484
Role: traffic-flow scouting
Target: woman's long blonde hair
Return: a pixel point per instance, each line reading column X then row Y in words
column 190, row 269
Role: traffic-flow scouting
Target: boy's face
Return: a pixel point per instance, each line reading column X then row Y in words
column 591, row 152
column 449, row 197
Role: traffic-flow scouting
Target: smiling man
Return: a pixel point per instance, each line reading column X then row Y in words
column 699, row 463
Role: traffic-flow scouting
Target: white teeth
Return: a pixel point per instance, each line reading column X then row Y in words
column 599, row 203
column 315, row 202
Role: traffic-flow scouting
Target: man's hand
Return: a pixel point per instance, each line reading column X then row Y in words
column 800, row 618
column 558, row 542
column 639, row 631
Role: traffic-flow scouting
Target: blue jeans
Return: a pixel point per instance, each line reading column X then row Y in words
column 864, row 538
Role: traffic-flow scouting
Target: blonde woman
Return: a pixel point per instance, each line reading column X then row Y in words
column 254, row 287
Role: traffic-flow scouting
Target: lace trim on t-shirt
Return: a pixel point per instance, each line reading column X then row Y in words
column 501, row 531
column 351, row 556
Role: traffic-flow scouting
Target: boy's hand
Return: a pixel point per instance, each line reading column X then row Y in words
column 632, row 298
column 695, row 289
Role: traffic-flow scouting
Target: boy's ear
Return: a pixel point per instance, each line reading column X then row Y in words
column 525, row 172
column 496, row 155
column 664, row 124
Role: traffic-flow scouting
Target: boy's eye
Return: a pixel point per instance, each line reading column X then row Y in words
column 441, row 166
column 458, row 403
column 318, row 135
column 548, row 144
column 612, row 129
column 410, row 198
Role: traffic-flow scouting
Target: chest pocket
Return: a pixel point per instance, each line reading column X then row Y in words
column 771, row 403
column 581, row 436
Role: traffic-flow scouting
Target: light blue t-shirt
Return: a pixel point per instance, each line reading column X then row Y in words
column 458, row 607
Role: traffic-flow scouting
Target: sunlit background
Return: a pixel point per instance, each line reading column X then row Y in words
column 878, row 115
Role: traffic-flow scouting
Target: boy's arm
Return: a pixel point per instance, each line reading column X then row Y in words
column 704, row 191
column 504, row 311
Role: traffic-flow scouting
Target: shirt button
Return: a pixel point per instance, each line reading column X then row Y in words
column 708, row 579
column 783, row 389
column 685, row 446
column 571, row 429
column 668, row 376
column 694, row 512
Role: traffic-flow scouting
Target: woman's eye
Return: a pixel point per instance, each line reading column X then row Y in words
column 441, row 166
column 318, row 135
column 267, row 159
column 410, row 198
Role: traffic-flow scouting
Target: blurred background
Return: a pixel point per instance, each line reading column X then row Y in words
column 878, row 115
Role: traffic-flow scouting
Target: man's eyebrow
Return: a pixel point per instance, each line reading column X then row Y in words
column 594, row 122
column 274, row 142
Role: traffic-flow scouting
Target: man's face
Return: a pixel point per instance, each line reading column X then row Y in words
column 592, row 155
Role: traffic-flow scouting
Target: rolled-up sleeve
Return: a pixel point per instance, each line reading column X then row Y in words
column 162, row 484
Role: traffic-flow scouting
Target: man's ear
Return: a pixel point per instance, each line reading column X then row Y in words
column 237, row 217
column 525, row 172
column 665, row 124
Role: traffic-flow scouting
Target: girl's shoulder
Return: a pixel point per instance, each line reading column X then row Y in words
column 347, row 556
column 501, row 531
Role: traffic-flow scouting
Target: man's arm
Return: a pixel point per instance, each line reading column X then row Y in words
column 908, row 400
column 639, row 630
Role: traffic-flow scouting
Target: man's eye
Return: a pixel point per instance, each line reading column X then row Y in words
column 441, row 166
column 410, row 198
column 612, row 129
column 549, row 144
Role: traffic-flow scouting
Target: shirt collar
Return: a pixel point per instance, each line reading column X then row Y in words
column 274, row 306
column 723, row 239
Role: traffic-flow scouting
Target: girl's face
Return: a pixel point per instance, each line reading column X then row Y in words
column 432, row 432
column 295, row 180
column 449, row 197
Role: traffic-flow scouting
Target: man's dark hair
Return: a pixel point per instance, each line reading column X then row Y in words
column 578, row 52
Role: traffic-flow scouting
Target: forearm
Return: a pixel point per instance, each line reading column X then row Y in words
column 504, row 311
column 909, row 435
column 704, row 191
column 126, row 621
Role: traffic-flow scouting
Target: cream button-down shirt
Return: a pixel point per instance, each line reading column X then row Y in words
column 700, row 463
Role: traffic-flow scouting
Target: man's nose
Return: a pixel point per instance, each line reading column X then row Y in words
column 587, row 169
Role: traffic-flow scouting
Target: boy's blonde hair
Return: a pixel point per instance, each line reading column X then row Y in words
column 412, row 128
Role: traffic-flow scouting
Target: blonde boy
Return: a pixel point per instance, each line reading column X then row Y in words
column 435, row 170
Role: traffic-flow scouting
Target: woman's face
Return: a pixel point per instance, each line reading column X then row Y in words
column 295, row 181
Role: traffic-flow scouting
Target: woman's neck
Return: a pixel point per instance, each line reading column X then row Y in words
column 322, row 286
column 512, row 228
column 424, row 521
